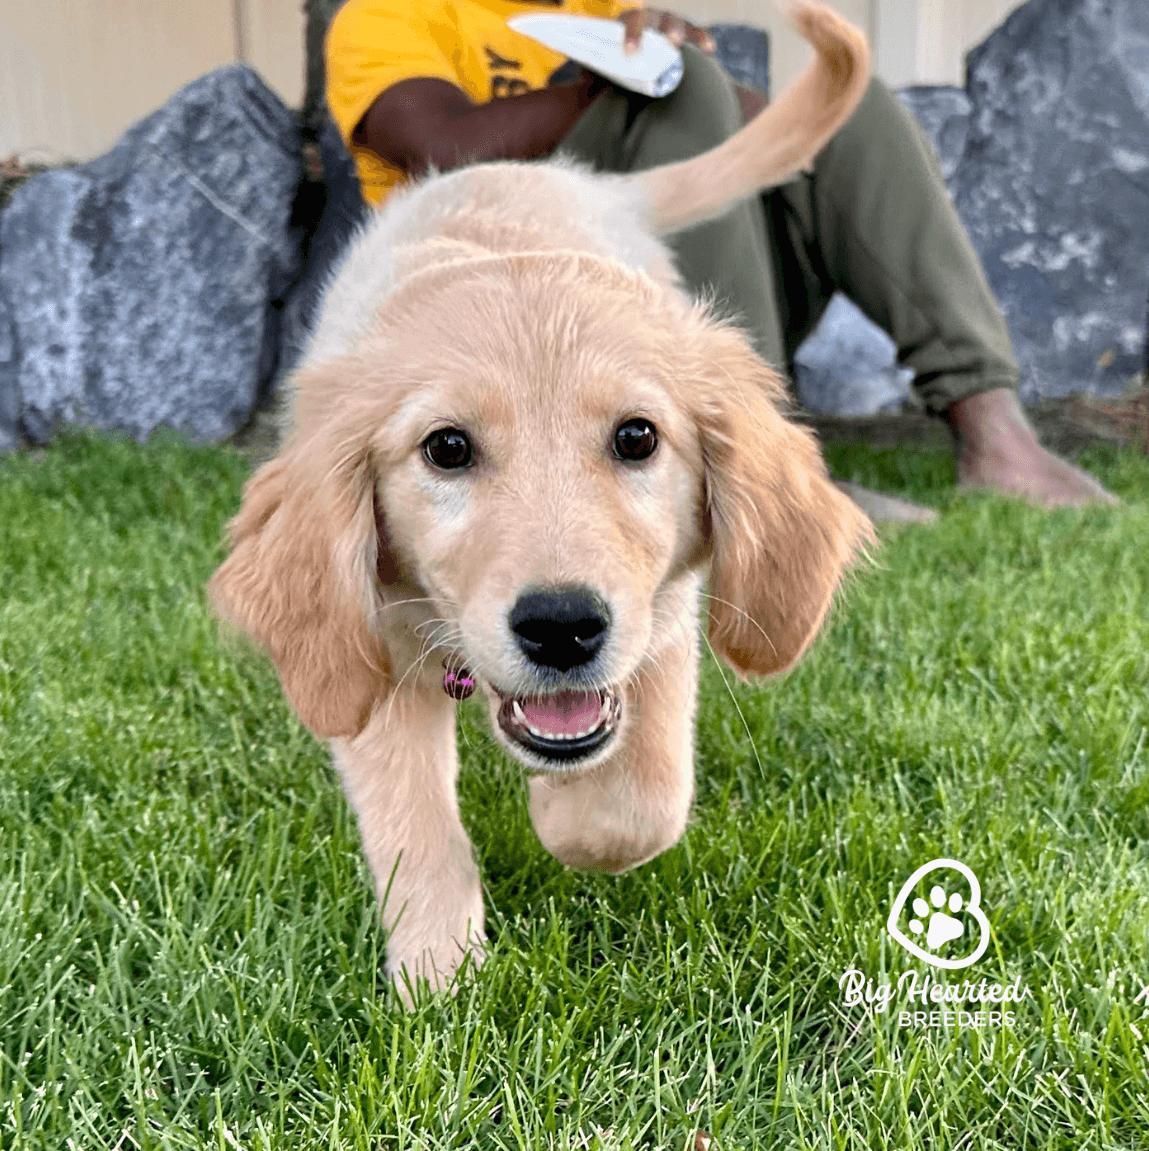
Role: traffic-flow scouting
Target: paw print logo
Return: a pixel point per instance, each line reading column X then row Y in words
column 943, row 927
column 935, row 923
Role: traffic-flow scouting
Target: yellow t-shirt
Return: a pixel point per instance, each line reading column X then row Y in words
column 374, row 44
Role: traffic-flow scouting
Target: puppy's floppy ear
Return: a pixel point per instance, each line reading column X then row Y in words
column 781, row 533
column 301, row 580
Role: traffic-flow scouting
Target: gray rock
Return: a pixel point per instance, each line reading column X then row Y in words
column 1053, row 187
column 943, row 114
column 848, row 366
column 745, row 53
column 144, row 287
column 9, row 391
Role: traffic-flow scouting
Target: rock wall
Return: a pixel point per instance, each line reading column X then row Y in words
column 144, row 288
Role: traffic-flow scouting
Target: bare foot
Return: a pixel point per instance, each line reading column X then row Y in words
column 998, row 450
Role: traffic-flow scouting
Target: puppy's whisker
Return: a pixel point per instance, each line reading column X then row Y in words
column 634, row 680
column 740, row 611
column 677, row 621
column 733, row 699
column 439, row 639
column 427, row 648
column 656, row 660
column 448, row 635
column 401, row 602
column 376, row 616
column 413, row 599
column 438, row 620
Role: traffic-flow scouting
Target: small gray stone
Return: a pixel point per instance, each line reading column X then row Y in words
column 848, row 366
column 144, row 287
column 745, row 54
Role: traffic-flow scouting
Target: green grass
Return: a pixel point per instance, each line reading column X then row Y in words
column 189, row 951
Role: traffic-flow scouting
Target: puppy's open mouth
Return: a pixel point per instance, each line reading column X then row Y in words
column 564, row 725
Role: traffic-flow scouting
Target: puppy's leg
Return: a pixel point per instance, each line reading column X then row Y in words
column 399, row 776
column 634, row 805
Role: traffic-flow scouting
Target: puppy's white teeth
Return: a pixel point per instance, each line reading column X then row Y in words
column 552, row 734
column 535, row 730
column 518, row 713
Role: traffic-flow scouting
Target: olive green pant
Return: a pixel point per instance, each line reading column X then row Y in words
column 873, row 221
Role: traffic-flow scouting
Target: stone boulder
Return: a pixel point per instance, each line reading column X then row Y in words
column 943, row 114
column 144, row 288
column 1046, row 155
column 1053, row 187
column 9, row 393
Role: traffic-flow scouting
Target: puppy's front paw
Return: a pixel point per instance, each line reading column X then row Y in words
column 434, row 968
column 435, row 951
column 597, row 821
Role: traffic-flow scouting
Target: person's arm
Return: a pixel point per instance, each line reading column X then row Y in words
column 427, row 120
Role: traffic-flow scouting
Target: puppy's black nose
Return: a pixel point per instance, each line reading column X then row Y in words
column 560, row 629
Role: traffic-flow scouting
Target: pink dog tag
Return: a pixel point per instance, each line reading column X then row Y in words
column 458, row 683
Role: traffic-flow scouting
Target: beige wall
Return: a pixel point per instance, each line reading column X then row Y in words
column 925, row 41
column 273, row 39
column 74, row 74
column 914, row 41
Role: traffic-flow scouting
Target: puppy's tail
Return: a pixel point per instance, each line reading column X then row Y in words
column 780, row 141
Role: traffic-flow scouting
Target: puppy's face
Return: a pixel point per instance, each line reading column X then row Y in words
column 526, row 465
column 543, row 487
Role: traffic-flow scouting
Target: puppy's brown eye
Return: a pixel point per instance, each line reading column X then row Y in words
column 635, row 440
column 449, row 448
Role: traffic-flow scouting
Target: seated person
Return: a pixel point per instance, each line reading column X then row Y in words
column 447, row 82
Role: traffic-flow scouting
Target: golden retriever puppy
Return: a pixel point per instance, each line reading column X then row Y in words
column 517, row 449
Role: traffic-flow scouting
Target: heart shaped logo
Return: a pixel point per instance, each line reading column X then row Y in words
column 935, row 923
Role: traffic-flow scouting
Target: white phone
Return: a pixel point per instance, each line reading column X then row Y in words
column 655, row 69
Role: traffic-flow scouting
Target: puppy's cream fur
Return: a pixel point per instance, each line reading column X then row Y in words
column 535, row 307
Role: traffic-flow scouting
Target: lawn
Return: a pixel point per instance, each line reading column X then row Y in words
column 189, row 950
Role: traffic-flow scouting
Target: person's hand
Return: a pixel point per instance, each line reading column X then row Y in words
column 675, row 28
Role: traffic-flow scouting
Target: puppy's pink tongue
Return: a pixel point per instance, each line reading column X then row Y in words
column 565, row 713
